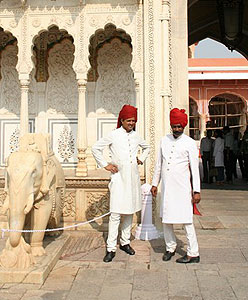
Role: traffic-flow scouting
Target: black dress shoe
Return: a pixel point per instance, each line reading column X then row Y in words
column 188, row 260
column 168, row 255
column 109, row 256
column 128, row 249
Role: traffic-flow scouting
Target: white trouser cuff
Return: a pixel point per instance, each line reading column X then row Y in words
column 114, row 222
column 169, row 237
column 192, row 249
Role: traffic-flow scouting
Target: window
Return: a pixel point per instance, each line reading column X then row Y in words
column 226, row 110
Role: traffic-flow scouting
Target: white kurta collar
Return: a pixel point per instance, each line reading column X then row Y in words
column 124, row 130
column 176, row 139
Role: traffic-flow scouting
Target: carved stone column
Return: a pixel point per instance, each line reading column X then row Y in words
column 91, row 86
column 82, row 130
column 24, row 106
column 165, row 65
column 41, row 119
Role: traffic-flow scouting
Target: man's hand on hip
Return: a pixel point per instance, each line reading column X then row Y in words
column 112, row 168
column 154, row 191
column 196, row 198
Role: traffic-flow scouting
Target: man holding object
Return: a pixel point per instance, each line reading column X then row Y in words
column 178, row 167
column 125, row 191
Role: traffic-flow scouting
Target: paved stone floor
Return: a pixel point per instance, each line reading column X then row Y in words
column 222, row 273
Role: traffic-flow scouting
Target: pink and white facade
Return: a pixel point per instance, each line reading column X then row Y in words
column 218, row 94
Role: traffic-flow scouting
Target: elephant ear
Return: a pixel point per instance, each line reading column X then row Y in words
column 57, row 193
column 19, row 166
column 5, row 206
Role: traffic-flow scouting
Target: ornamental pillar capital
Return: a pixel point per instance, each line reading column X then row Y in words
column 24, row 83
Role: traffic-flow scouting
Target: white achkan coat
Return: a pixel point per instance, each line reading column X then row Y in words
column 218, row 152
column 177, row 160
column 125, row 192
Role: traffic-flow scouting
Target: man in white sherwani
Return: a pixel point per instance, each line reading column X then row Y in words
column 125, row 191
column 178, row 167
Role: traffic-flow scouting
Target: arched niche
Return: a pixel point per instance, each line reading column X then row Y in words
column 98, row 39
column 53, row 59
column 110, row 58
column 42, row 44
column 10, row 93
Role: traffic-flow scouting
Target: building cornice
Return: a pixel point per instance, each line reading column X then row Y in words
column 216, row 76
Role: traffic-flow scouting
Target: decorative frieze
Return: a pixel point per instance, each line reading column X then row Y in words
column 88, row 182
column 151, row 82
column 97, row 204
column 69, row 210
column 2, row 197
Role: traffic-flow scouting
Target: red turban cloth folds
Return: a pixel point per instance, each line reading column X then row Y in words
column 127, row 112
column 178, row 116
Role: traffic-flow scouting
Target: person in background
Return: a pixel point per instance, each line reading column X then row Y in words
column 218, row 156
column 206, row 155
column 228, row 153
column 237, row 155
column 244, row 150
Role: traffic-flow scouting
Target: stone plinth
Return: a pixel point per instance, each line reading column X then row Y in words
column 40, row 270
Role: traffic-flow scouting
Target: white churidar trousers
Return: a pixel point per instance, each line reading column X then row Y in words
column 114, row 222
column 170, row 239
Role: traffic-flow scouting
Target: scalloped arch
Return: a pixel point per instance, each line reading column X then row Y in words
column 98, row 39
column 45, row 41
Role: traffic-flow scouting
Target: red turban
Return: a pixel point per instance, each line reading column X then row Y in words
column 127, row 112
column 178, row 116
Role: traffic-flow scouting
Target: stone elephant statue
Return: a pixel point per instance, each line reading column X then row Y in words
column 35, row 187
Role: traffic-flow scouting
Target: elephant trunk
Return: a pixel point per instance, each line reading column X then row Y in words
column 17, row 220
column 16, row 223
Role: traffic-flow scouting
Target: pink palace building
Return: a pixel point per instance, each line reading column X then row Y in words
column 218, row 94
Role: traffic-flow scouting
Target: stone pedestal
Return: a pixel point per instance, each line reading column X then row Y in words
column 146, row 230
column 38, row 272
